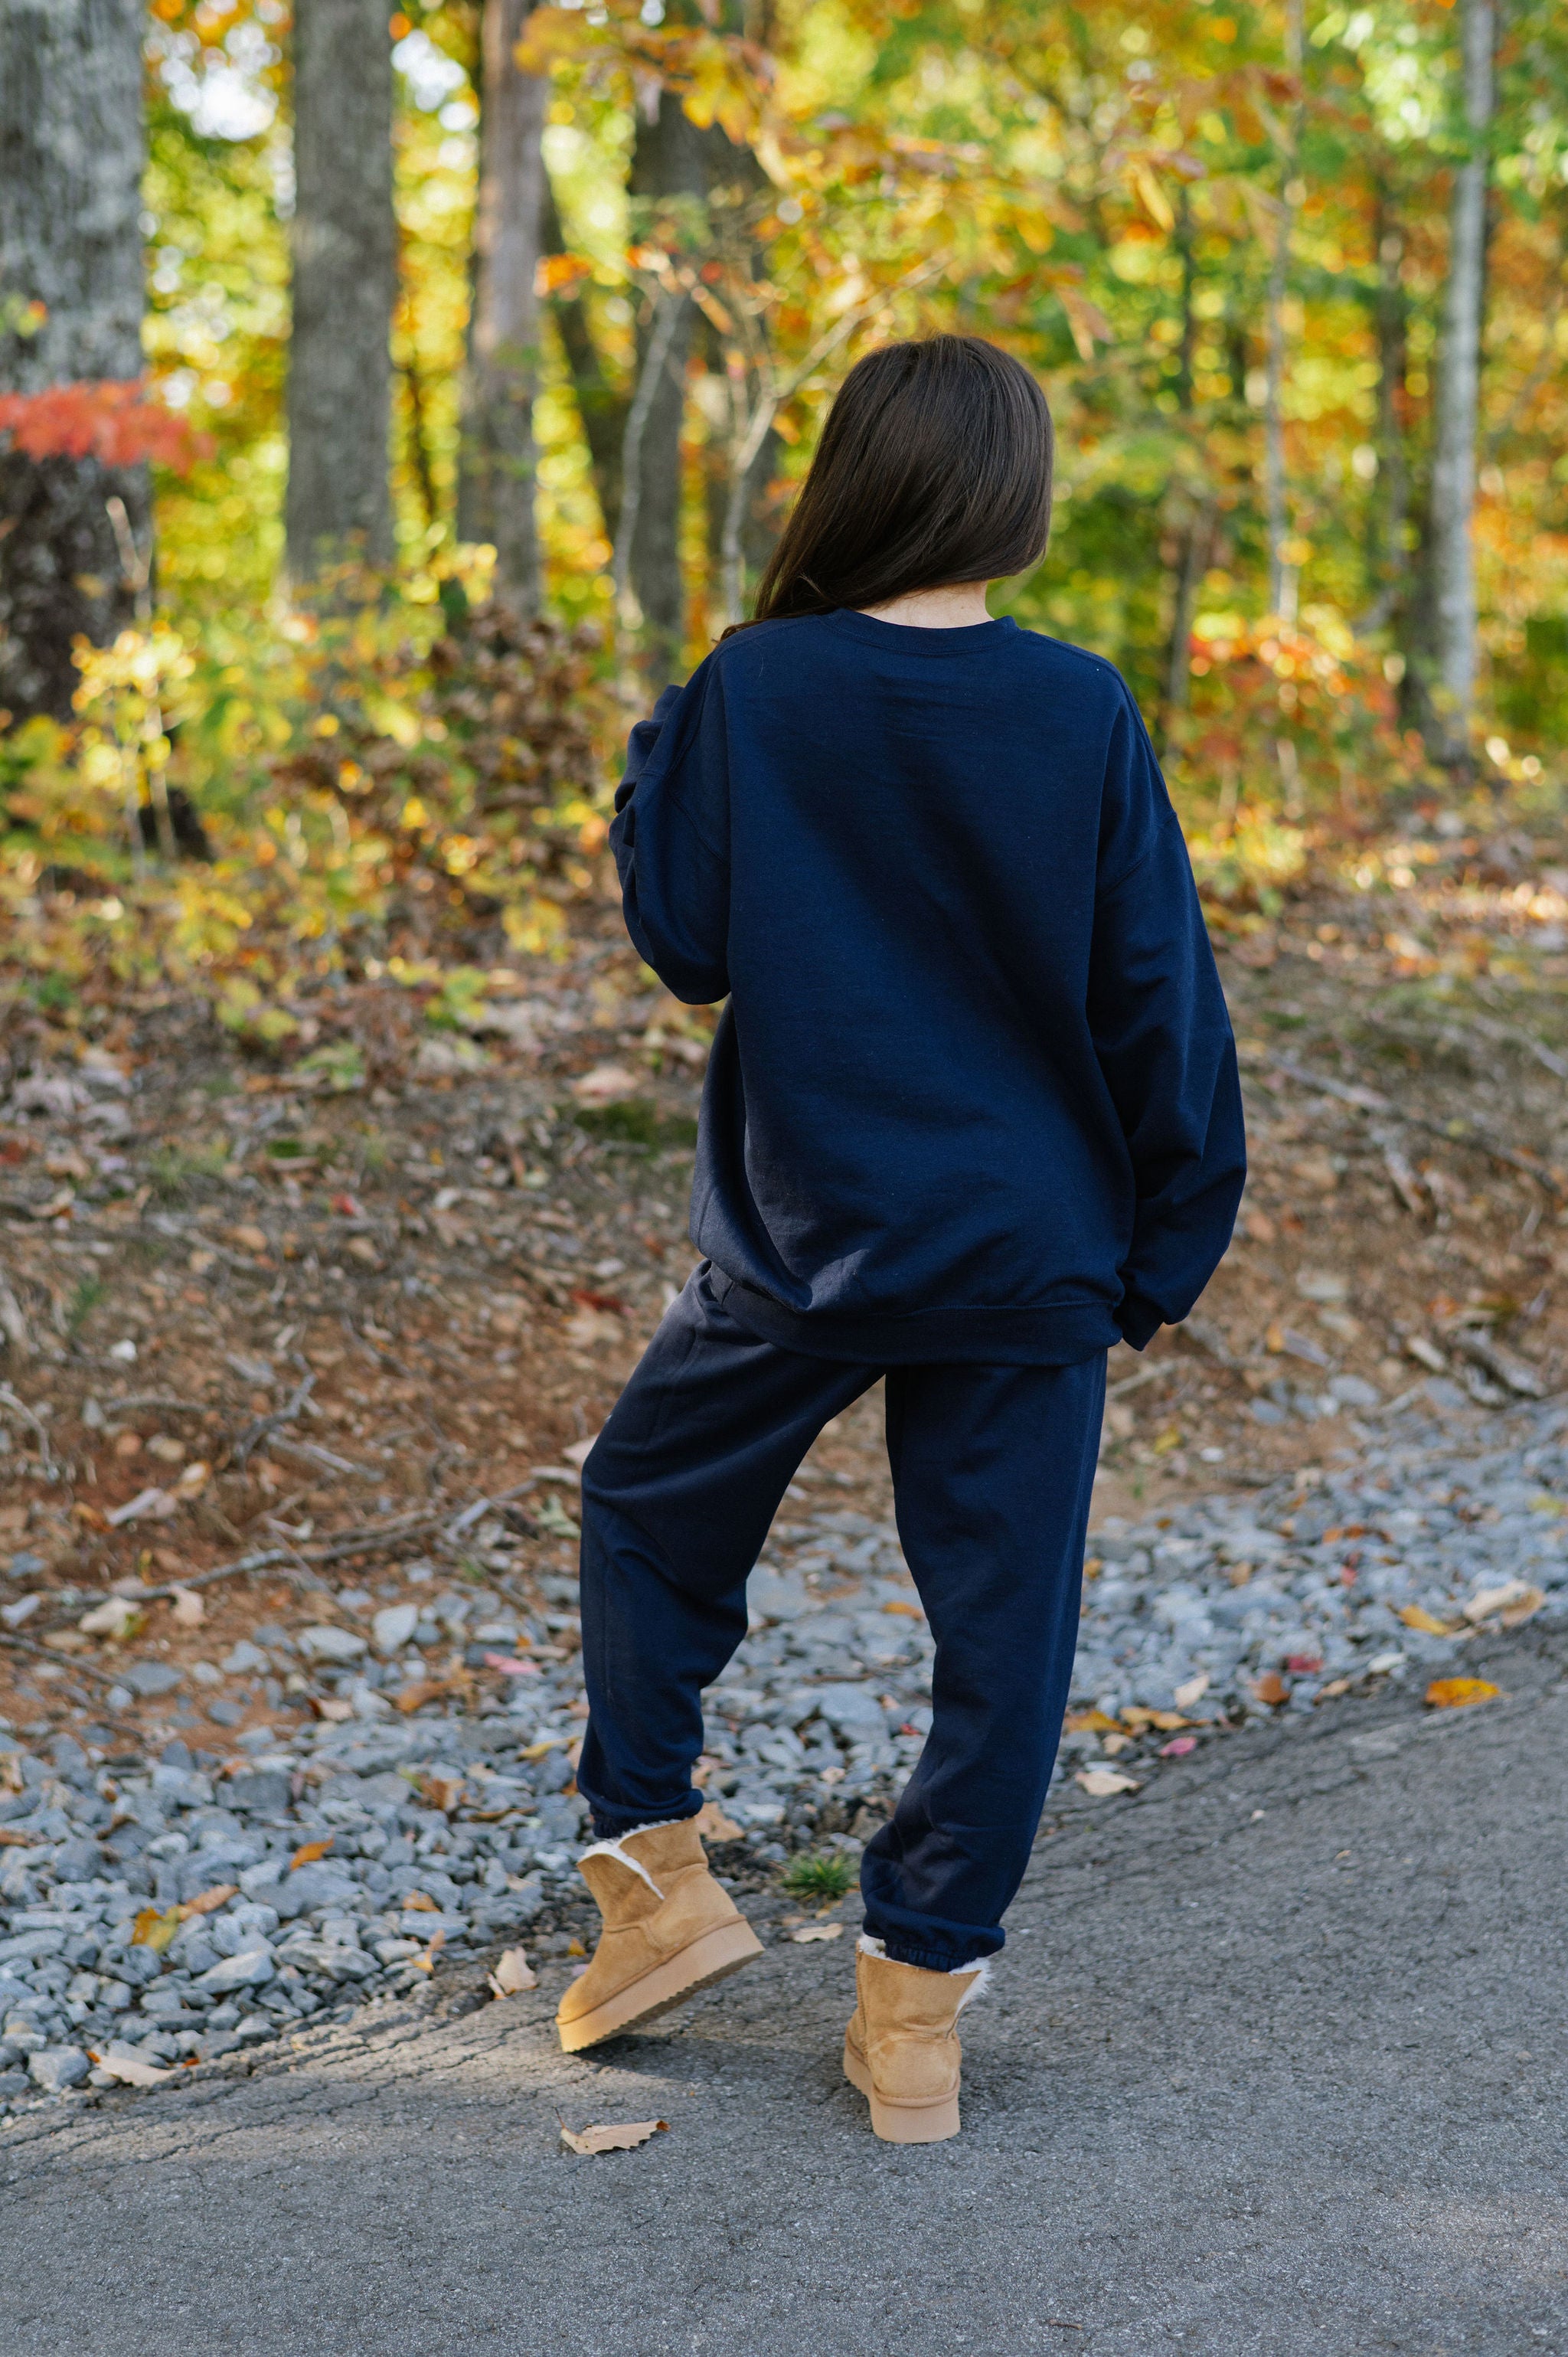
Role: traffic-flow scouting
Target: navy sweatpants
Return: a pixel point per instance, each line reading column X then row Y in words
column 992, row 1473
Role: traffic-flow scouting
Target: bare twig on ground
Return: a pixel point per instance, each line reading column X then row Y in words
column 19, row 1407
column 13, row 1324
column 1369, row 1101
column 265, row 1427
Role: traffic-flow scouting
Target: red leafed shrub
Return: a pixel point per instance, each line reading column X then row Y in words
column 118, row 422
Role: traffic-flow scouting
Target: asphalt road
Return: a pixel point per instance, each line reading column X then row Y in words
column 1274, row 2062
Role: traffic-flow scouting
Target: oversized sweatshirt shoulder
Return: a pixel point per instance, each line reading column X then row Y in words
column 974, row 1091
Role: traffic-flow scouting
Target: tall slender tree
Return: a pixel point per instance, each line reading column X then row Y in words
column 1281, row 576
column 669, row 161
column 71, row 151
column 344, row 285
column 496, row 481
column 1458, row 400
column 601, row 402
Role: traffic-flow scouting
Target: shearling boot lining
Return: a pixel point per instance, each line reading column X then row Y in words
column 611, row 1847
column 980, row 1970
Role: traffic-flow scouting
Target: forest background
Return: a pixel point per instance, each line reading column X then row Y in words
column 390, row 405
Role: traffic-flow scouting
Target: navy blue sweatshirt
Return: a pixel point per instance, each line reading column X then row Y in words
column 974, row 1093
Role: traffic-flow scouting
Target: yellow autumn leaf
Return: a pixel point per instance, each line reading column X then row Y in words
column 1457, row 1693
column 1416, row 1616
column 153, row 1931
column 1156, row 202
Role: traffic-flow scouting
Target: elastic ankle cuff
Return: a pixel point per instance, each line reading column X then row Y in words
column 613, row 1824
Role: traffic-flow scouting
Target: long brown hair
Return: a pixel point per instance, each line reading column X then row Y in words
column 934, row 468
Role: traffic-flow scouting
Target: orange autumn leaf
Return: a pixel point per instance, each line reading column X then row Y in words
column 308, row 1852
column 207, row 1902
column 1458, row 1694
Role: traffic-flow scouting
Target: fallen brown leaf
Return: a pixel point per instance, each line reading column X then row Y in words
column 424, row 1690
column 1514, row 1601
column 128, row 2068
column 714, row 1826
column 514, row 1972
column 308, row 1852
column 1270, row 1688
column 1416, row 1616
column 810, row 1931
column 419, row 1903
column 1099, row 1783
column 607, row 2140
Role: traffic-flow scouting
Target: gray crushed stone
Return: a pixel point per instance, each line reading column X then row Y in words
column 440, row 1836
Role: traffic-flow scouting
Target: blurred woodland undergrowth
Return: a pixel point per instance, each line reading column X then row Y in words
column 1215, row 235
column 402, row 782
column 373, row 784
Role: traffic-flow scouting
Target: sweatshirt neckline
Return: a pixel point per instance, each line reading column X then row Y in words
column 908, row 638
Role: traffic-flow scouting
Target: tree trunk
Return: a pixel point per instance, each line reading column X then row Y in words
column 344, row 285
column 496, row 484
column 1388, row 557
column 71, row 151
column 1196, row 535
column 1281, row 576
column 601, row 405
column 1458, row 400
column 668, row 160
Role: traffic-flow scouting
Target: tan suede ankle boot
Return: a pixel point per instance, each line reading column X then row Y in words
column 668, row 1932
column 901, row 2047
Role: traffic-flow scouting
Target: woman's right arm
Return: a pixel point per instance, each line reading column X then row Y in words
column 670, row 841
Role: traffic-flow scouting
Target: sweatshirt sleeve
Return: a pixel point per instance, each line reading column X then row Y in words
column 670, row 840
column 1164, row 1041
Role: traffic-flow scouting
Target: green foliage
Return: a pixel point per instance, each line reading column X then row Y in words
column 173, row 1166
column 85, row 1296
column 822, row 1875
column 384, row 778
column 398, row 780
column 635, row 1122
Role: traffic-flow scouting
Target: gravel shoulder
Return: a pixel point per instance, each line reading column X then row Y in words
column 1273, row 2061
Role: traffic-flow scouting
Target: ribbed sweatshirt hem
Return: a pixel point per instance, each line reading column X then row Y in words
column 1056, row 1334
